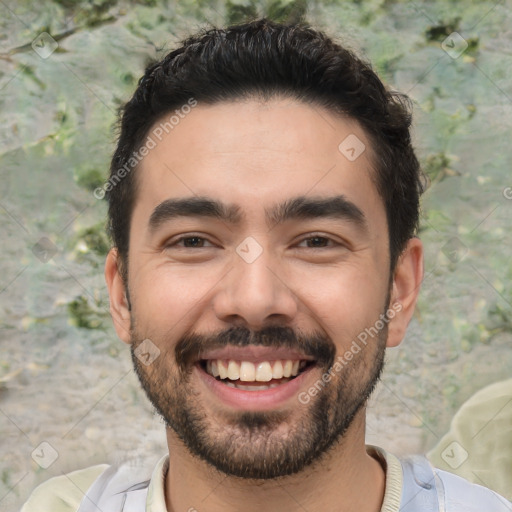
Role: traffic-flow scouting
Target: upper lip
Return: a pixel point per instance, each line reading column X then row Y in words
column 255, row 353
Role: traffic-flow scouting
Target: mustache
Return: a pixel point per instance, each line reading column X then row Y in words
column 317, row 345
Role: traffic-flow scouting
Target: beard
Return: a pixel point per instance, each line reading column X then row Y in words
column 259, row 444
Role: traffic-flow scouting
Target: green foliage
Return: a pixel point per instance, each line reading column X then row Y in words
column 70, row 4
column 91, row 13
column 435, row 219
column 95, row 238
column 499, row 315
column 473, row 44
column 438, row 33
column 89, row 178
column 441, row 31
column 238, row 12
column 499, row 318
column 283, row 11
column 437, row 167
column 6, row 477
column 87, row 315
column 287, row 11
column 148, row 3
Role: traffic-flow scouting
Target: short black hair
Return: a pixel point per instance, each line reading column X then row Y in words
column 265, row 59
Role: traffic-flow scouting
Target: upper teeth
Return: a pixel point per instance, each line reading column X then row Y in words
column 249, row 372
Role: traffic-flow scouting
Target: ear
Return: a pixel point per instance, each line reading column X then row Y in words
column 407, row 280
column 119, row 309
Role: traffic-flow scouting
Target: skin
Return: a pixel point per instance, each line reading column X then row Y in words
column 254, row 155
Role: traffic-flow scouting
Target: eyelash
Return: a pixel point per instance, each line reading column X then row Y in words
column 310, row 237
column 187, row 237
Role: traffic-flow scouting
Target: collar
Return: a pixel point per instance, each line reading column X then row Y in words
column 391, row 465
column 156, row 491
column 394, row 478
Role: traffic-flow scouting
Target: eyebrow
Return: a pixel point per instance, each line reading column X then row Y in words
column 193, row 207
column 301, row 207
column 304, row 207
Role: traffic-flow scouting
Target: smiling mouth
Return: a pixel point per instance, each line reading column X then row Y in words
column 254, row 376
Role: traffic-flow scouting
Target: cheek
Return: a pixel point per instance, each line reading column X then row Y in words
column 163, row 296
column 345, row 301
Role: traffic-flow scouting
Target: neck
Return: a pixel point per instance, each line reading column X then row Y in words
column 345, row 479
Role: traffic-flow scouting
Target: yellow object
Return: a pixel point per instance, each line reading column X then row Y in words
column 478, row 446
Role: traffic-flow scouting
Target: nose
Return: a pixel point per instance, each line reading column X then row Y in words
column 255, row 294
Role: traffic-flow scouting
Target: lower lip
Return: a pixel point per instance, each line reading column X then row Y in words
column 254, row 400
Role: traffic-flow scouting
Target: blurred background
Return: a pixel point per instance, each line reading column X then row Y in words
column 68, row 395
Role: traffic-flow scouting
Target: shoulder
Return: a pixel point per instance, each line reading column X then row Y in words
column 461, row 495
column 63, row 493
column 421, row 486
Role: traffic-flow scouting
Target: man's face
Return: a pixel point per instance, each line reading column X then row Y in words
column 295, row 268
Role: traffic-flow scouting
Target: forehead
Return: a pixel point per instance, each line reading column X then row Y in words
column 254, row 154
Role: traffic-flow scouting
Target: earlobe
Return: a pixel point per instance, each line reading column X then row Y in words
column 119, row 307
column 407, row 280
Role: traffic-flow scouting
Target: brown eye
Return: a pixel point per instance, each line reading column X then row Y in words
column 317, row 241
column 193, row 241
column 189, row 242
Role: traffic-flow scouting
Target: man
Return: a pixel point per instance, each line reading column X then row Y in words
column 263, row 203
